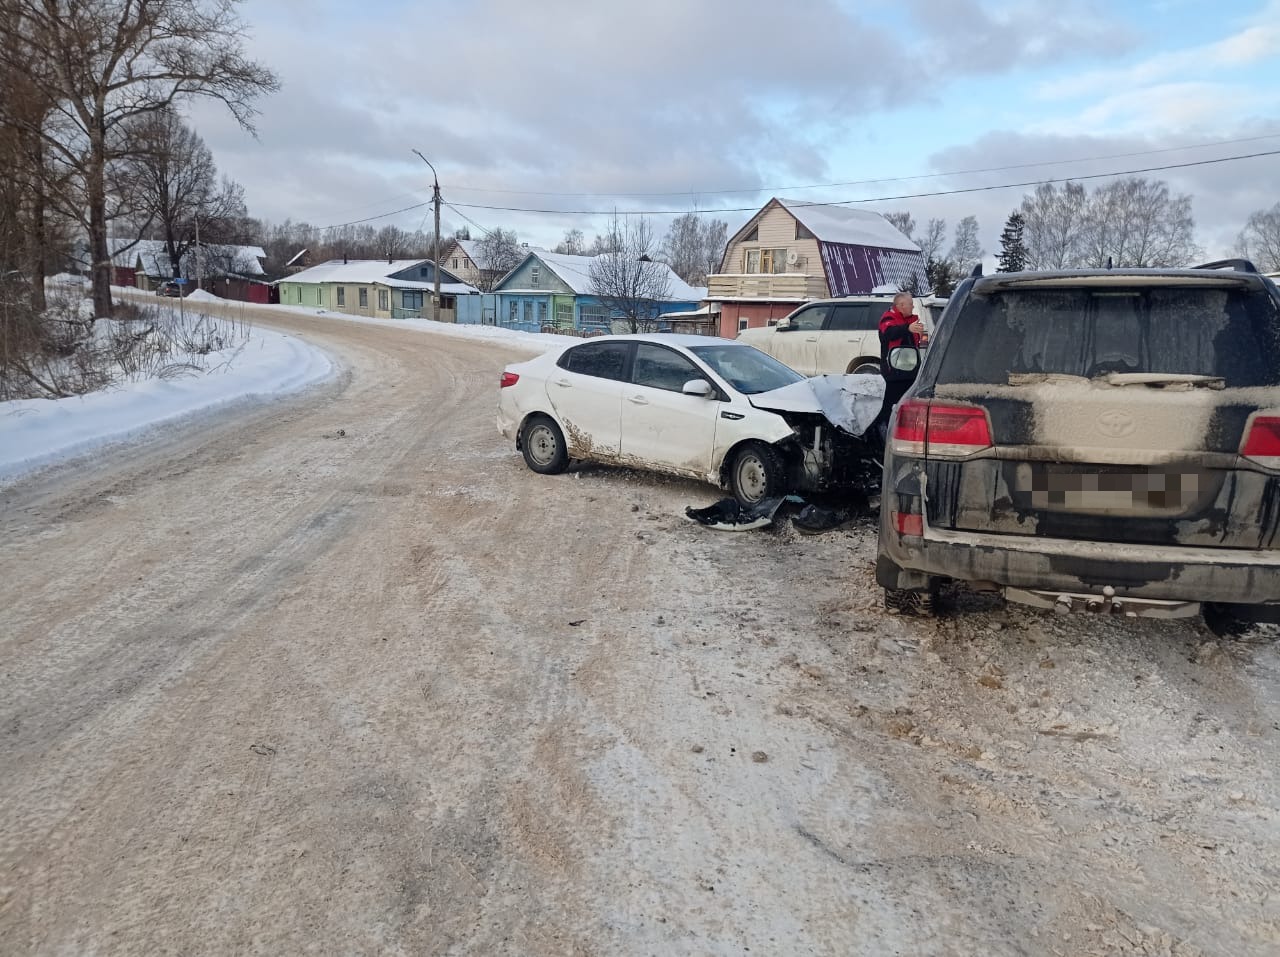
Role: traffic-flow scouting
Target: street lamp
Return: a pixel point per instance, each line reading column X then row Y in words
column 435, row 198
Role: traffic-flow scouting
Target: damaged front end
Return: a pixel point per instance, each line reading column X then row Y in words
column 837, row 446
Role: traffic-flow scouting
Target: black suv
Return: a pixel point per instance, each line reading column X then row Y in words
column 1103, row 440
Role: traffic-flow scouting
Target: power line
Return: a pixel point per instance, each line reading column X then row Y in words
column 882, row 179
column 841, row 202
column 469, row 219
column 879, row 199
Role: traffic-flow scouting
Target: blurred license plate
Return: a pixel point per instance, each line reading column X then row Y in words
column 1070, row 489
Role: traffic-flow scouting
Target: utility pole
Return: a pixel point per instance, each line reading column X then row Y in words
column 435, row 198
column 198, row 275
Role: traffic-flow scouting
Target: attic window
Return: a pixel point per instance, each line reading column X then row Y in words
column 801, row 232
column 535, row 275
column 424, row 272
column 753, row 236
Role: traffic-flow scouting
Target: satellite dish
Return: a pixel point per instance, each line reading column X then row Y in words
column 793, row 257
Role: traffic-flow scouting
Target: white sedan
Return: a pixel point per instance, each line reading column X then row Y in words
column 697, row 406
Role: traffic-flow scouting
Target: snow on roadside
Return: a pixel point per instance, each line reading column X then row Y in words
column 35, row 433
column 541, row 341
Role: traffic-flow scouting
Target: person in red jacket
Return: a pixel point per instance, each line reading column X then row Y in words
column 898, row 327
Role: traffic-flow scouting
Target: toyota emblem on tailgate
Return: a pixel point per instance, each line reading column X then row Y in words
column 1116, row 424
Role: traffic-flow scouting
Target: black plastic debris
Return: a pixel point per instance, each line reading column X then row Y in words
column 729, row 515
column 815, row 519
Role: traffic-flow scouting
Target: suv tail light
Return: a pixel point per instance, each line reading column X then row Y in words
column 1262, row 441
column 941, row 429
column 508, row 378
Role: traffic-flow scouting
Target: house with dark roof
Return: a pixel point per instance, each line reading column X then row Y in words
column 554, row 291
column 790, row 252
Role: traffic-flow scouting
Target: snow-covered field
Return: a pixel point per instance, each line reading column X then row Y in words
column 35, row 433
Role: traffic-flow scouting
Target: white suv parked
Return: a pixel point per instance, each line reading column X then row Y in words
column 834, row 336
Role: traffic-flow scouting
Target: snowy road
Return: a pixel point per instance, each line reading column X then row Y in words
column 270, row 688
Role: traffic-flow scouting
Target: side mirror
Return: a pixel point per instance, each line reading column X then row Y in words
column 783, row 325
column 699, row 387
column 904, row 359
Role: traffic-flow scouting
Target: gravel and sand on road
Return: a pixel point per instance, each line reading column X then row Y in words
column 338, row 674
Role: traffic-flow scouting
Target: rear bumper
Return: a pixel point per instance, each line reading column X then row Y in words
column 1173, row 573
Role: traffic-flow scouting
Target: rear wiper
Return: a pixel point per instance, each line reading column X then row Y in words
column 1161, row 380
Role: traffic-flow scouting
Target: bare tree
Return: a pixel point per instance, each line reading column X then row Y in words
column 932, row 240
column 693, row 246
column 173, row 182
column 626, row 280
column 108, row 62
column 903, row 222
column 714, row 239
column 966, row 252
column 1260, row 238
column 573, row 244
column 1136, row 222
column 496, row 255
column 1054, row 225
column 393, row 242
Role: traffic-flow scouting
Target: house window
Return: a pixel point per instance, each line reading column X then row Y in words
column 424, row 273
column 593, row 316
column 765, row 261
column 511, row 311
column 535, row 275
column 299, row 294
column 411, row 299
column 743, row 321
column 542, row 314
column 528, row 311
column 382, row 300
column 802, row 232
column 455, row 262
column 448, row 302
column 753, row 236
column 342, row 295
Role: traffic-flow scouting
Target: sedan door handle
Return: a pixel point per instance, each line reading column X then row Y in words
column 563, row 383
column 812, row 339
column 639, row 400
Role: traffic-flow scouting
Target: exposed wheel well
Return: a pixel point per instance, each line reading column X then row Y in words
column 864, row 360
column 786, row 449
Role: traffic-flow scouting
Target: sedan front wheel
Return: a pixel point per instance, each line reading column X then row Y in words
column 757, row 473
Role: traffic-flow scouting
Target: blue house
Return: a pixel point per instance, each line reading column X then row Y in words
column 553, row 291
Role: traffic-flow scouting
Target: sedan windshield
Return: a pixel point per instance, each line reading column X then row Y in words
column 748, row 370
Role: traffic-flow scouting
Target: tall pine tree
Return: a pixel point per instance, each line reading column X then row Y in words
column 1013, row 252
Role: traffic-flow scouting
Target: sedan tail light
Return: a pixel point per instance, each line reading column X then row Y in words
column 508, row 378
column 1262, row 441
column 936, row 428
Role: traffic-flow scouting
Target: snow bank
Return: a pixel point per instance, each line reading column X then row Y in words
column 38, row 432
column 538, row 341
column 200, row 295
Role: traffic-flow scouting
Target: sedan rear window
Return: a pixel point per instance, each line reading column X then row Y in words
column 1229, row 333
column 604, row 360
column 748, row 370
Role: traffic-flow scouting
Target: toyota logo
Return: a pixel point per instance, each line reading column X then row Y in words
column 1116, row 424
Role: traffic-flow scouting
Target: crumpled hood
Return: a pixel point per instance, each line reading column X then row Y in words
column 850, row 402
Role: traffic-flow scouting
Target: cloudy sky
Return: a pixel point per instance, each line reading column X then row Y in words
column 564, row 105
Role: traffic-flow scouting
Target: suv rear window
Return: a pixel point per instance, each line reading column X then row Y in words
column 1090, row 332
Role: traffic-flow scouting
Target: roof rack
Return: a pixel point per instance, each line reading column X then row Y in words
column 1239, row 265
